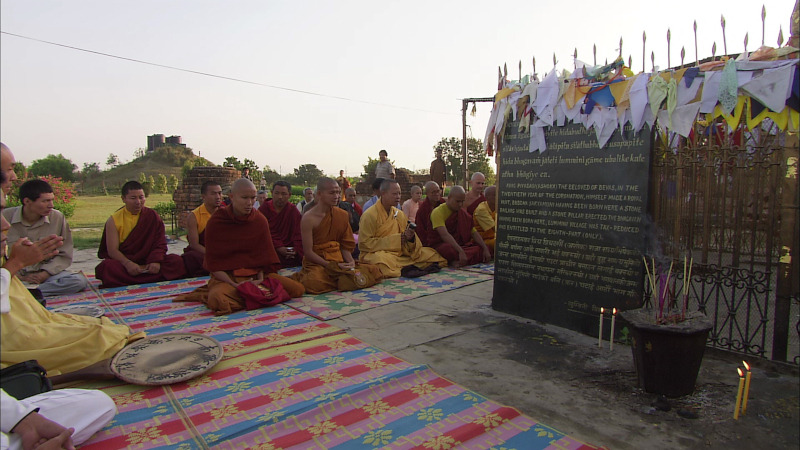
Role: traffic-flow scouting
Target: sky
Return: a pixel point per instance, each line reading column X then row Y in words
column 379, row 74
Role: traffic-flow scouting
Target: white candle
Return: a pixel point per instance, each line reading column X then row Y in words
column 600, row 333
column 613, row 319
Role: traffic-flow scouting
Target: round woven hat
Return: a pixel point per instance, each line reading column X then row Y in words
column 166, row 358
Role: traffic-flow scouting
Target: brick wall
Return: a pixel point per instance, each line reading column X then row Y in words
column 404, row 179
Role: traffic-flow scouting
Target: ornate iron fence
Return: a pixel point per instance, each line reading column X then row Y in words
column 727, row 199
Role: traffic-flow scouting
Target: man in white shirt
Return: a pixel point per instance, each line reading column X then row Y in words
column 384, row 169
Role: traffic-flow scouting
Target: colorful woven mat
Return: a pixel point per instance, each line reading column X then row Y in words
column 487, row 268
column 336, row 304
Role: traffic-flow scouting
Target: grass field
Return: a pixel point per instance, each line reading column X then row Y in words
column 91, row 213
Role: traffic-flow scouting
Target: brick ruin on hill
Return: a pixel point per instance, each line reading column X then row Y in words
column 187, row 197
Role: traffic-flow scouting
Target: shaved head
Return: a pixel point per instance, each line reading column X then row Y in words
column 242, row 183
column 7, row 163
column 433, row 192
column 324, row 183
column 477, row 182
column 456, row 198
column 491, row 196
column 431, row 185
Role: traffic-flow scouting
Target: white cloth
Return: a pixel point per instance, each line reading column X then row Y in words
column 772, row 88
column 5, row 282
column 87, row 411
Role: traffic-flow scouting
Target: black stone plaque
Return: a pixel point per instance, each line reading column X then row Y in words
column 571, row 225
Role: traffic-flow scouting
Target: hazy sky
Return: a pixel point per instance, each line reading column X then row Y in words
column 419, row 57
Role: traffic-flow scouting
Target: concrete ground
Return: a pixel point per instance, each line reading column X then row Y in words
column 561, row 377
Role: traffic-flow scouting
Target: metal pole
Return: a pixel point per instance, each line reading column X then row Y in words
column 464, row 140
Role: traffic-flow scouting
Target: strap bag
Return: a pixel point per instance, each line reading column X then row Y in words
column 25, row 379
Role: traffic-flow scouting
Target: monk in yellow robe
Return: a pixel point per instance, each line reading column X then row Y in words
column 61, row 343
column 485, row 218
column 387, row 240
column 327, row 240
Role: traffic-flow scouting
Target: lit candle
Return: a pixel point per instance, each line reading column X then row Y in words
column 739, row 395
column 600, row 333
column 613, row 319
column 746, row 388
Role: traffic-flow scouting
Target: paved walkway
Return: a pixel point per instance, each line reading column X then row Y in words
column 563, row 379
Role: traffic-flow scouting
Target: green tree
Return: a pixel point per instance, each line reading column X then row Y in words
column 307, row 175
column 138, row 153
column 142, row 178
column 192, row 163
column 232, row 161
column 112, row 160
column 55, row 165
column 369, row 167
column 151, row 181
column 477, row 161
column 20, row 171
column 161, row 183
column 173, row 183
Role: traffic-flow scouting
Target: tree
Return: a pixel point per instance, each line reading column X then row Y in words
column 90, row 170
column 112, row 160
column 477, row 161
column 307, row 175
column 161, row 184
column 232, row 161
column 369, row 167
column 54, row 165
column 270, row 176
column 142, row 178
column 138, row 153
column 151, row 181
column 173, row 183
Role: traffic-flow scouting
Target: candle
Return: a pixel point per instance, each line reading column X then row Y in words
column 739, row 395
column 746, row 388
column 600, row 333
column 613, row 319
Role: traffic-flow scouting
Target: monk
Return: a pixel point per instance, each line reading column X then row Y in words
column 133, row 247
column 7, row 163
column 344, row 184
column 240, row 251
column 485, row 217
column 475, row 195
column 350, row 197
column 327, row 240
column 211, row 193
column 284, row 224
column 433, row 198
column 453, row 235
column 61, row 343
column 387, row 240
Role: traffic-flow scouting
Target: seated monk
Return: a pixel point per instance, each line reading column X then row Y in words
column 211, row 193
column 433, row 198
column 485, row 218
column 284, row 224
column 61, row 343
column 239, row 250
column 387, row 240
column 327, row 238
column 133, row 248
column 475, row 195
column 453, row 235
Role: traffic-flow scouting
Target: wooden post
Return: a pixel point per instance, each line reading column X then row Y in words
column 463, row 141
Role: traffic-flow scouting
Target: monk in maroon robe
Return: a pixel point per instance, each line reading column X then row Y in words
column 240, row 251
column 433, row 198
column 284, row 224
column 134, row 247
column 196, row 221
column 475, row 195
column 454, row 236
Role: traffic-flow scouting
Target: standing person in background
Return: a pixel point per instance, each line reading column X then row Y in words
column 411, row 205
column 344, row 184
column 384, row 168
column 246, row 173
column 308, row 195
column 439, row 169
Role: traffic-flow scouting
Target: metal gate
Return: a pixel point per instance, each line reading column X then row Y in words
column 730, row 200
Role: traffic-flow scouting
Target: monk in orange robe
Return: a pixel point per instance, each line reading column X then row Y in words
column 485, row 218
column 284, row 224
column 453, row 235
column 193, row 255
column 239, row 251
column 433, row 198
column 327, row 238
column 475, row 195
column 133, row 248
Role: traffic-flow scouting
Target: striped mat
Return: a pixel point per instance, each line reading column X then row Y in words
column 288, row 380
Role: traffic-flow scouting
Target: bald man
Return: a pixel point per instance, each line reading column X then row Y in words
column 475, row 195
column 7, row 163
column 433, row 198
column 328, row 243
column 239, row 250
column 453, row 235
column 485, row 217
